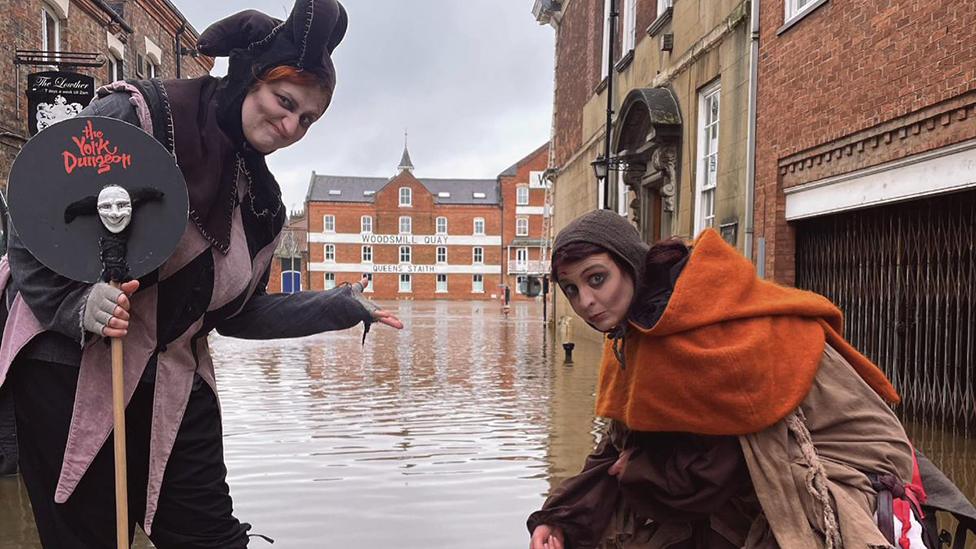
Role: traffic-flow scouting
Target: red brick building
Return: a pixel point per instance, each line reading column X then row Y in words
column 866, row 178
column 525, row 233
column 132, row 38
column 415, row 238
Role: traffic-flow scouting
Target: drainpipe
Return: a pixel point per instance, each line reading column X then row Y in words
column 179, row 51
column 750, row 213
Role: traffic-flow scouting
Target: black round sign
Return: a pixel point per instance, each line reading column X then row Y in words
column 68, row 164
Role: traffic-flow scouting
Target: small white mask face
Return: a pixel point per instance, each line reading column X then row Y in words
column 114, row 208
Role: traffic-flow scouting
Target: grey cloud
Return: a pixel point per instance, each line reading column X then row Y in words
column 470, row 79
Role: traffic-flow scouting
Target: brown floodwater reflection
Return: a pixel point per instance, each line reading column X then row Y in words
column 445, row 434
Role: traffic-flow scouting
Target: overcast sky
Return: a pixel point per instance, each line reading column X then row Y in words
column 471, row 80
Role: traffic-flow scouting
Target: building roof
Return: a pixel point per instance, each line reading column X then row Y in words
column 338, row 188
column 512, row 170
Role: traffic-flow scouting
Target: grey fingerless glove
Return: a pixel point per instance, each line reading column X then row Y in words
column 357, row 294
column 99, row 307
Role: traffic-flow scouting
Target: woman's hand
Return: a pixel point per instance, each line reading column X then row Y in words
column 547, row 537
column 379, row 315
column 617, row 469
column 107, row 309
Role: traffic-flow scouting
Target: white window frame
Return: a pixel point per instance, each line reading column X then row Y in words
column 441, row 284
column 521, row 259
column 475, row 230
column 328, row 223
column 406, row 198
column 795, row 9
column 706, row 182
column 329, row 254
column 619, row 200
column 47, row 11
column 477, row 284
column 406, row 283
column 367, row 254
column 406, row 224
column 521, row 226
column 406, row 252
column 330, row 281
column 663, row 5
column 366, row 224
column 630, row 26
column 606, row 40
column 369, row 286
column 440, row 255
column 477, row 255
column 522, row 196
column 439, row 229
column 115, row 73
column 520, row 282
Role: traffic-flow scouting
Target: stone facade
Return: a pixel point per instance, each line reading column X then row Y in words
column 140, row 28
column 851, row 95
column 659, row 125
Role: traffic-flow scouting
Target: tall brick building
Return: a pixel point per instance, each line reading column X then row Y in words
column 866, row 179
column 524, row 214
column 415, row 238
column 421, row 238
column 681, row 90
column 132, row 39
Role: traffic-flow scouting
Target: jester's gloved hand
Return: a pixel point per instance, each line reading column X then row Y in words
column 100, row 307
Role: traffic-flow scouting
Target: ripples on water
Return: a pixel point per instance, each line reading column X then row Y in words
column 447, row 433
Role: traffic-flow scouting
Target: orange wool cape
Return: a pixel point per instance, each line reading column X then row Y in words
column 731, row 355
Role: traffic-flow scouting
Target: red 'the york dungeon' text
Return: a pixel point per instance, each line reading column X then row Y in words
column 94, row 151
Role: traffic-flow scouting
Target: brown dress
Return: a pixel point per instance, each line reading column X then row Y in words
column 690, row 491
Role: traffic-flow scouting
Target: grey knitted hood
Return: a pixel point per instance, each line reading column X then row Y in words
column 608, row 230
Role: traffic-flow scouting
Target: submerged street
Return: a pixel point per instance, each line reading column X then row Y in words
column 449, row 432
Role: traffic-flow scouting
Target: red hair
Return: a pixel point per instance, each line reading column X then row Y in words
column 293, row 75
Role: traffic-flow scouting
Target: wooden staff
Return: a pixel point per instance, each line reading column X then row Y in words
column 121, row 479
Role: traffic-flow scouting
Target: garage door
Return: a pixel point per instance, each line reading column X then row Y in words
column 905, row 277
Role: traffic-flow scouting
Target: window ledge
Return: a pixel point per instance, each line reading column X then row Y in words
column 601, row 86
column 661, row 22
column 798, row 17
column 621, row 65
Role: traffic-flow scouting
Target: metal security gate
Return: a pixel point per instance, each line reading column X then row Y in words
column 905, row 277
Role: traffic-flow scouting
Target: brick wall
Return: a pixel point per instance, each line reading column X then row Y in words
column 537, row 161
column 849, row 68
column 579, row 46
column 83, row 31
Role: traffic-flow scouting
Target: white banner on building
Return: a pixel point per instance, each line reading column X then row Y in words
column 404, row 239
column 403, row 268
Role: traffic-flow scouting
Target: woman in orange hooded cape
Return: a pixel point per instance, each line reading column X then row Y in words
column 740, row 417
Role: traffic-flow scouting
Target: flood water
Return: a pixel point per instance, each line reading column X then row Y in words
column 445, row 434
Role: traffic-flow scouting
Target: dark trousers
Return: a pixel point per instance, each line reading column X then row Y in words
column 8, row 433
column 195, row 508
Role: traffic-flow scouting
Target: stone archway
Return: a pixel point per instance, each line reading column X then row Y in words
column 648, row 138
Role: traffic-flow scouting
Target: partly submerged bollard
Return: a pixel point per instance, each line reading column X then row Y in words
column 568, row 347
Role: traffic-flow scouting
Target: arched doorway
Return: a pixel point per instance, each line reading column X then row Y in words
column 648, row 139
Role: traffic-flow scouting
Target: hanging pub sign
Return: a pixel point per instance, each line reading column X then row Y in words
column 53, row 96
